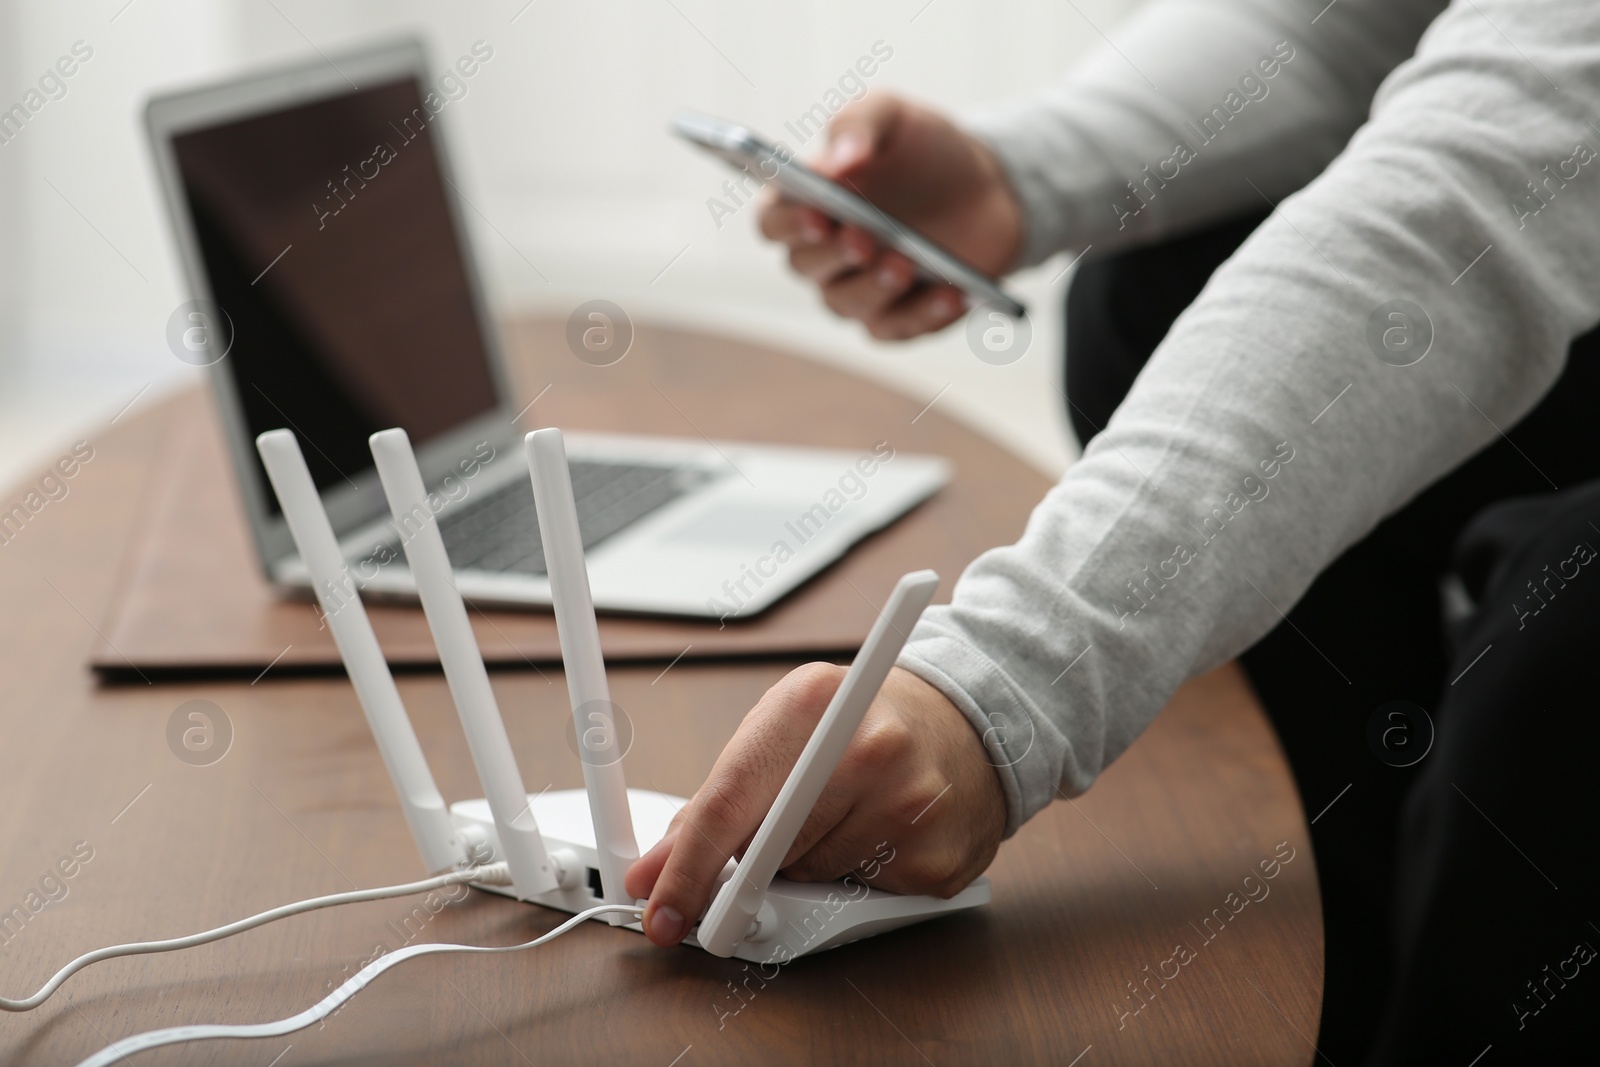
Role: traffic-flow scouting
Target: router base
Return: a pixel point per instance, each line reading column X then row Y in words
column 797, row 918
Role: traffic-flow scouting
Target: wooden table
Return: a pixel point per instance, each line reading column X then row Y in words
column 1087, row 897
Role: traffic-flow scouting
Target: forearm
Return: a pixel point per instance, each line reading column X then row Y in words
column 1160, row 129
column 1225, row 482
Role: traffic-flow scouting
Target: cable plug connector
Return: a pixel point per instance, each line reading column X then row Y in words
column 491, row 873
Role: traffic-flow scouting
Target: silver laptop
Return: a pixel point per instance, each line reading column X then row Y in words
column 317, row 220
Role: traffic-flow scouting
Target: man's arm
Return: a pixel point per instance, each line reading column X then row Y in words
column 1157, row 131
column 1226, row 481
column 1265, row 436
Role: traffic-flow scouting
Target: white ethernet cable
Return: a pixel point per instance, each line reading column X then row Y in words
column 492, row 874
column 325, row 1007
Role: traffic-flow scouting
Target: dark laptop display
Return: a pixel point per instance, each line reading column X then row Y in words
column 328, row 241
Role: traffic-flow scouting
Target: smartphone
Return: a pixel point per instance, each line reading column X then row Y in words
column 744, row 150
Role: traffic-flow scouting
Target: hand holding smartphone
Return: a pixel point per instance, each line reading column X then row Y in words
column 744, row 150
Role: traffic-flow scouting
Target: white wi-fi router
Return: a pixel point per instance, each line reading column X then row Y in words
column 591, row 835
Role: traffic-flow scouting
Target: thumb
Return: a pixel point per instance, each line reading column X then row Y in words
column 858, row 133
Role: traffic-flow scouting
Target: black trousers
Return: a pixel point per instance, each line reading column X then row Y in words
column 1460, row 892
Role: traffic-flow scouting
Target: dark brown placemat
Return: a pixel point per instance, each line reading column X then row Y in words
column 193, row 601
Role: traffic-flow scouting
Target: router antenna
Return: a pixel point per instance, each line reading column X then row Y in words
column 424, row 808
column 739, row 901
column 593, row 714
column 520, row 844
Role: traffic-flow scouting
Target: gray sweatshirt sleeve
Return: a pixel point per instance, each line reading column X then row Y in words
column 1153, row 133
column 1386, row 322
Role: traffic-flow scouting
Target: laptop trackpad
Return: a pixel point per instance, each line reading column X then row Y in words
column 732, row 524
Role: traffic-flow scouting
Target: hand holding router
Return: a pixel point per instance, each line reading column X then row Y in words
column 569, row 849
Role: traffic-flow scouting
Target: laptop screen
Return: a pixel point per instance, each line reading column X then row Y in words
column 328, row 242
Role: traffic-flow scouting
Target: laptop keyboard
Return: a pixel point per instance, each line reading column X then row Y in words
column 499, row 531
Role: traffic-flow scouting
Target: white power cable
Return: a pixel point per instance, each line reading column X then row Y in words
column 492, row 874
column 331, row 1003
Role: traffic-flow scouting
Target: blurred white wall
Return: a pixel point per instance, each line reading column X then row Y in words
column 10, row 239
column 563, row 145
column 88, row 272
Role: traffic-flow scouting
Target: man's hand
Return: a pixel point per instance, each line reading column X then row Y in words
column 916, row 776
column 924, row 170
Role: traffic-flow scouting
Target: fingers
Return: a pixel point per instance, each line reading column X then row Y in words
column 863, row 849
column 853, row 137
column 849, row 250
column 931, row 813
column 925, row 310
column 642, row 874
column 878, row 771
column 859, row 279
column 904, row 811
column 898, row 843
column 680, row 874
column 885, row 848
column 926, row 171
column 868, row 292
column 795, row 224
column 881, row 288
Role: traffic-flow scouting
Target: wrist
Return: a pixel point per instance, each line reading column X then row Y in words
column 1000, row 208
